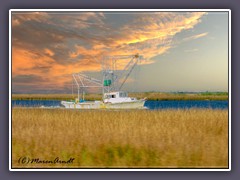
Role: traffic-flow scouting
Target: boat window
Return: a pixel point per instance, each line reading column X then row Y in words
column 123, row 94
column 108, row 96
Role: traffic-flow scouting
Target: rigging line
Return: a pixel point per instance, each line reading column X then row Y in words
column 128, row 74
column 138, row 68
column 72, row 87
column 135, row 79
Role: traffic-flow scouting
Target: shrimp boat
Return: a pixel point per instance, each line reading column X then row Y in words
column 111, row 84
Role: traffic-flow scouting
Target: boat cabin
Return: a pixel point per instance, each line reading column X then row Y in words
column 120, row 94
column 117, row 97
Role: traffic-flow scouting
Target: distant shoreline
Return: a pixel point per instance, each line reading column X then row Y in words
column 157, row 96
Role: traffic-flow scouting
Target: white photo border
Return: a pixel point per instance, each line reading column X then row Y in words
column 119, row 169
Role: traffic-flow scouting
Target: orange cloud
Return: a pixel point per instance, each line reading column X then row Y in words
column 48, row 52
column 151, row 26
column 20, row 17
column 23, row 62
column 15, row 22
column 52, row 46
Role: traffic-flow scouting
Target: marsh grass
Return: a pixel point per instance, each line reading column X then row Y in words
column 195, row 138
column 148, row 95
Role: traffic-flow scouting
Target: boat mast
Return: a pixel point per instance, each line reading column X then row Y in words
column 110, row 81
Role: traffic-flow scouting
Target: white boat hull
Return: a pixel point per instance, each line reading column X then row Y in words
column 137, row 104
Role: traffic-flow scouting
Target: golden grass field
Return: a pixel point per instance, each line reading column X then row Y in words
column 194, row 138
column 148, row 95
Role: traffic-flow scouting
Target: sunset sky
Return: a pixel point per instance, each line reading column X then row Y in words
column 182, row 51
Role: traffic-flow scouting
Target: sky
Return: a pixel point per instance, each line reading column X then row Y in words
column 181, row 51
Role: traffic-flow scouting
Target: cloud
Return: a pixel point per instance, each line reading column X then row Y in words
column 22, row 17
column 22, row 79
column 190, row 50
column 15, row 22
column 48, row 52
column 196, row 36
column 52, row 45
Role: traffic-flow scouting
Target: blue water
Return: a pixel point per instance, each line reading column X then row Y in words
column 36, row 103
column 186, row 104
column 148, row 104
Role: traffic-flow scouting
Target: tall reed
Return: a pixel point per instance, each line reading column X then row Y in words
column 193, row 138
